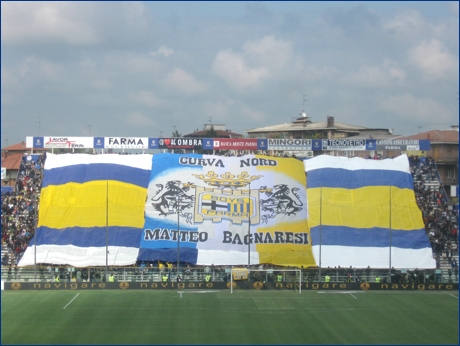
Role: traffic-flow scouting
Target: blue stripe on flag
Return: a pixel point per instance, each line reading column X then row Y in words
column 186, row 255
column 371, row 237
column 89, row 237
column 353, row 179
column 96, row 171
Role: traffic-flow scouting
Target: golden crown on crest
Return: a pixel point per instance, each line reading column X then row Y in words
column 228, row 180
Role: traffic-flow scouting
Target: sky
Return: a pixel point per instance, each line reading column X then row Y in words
column 147, row 69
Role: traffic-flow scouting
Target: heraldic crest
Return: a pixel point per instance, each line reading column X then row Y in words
column 226, row 196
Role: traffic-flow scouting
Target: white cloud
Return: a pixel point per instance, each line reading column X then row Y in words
column 397, row 73
column 228, row 110
column 163, row 50
column 32, row 21
column 138, row 120
column 316, row 73
column 235, row 71
column 375, row 76
column 94, row 62
column 146, row 98
column 216, row 110
column 418, row 110
column 269, row 53
column 135, row 12
column 85, row 23
column 258, row 60
column 434, row 59
column 102, row 84
column 370, row 76
column 7, row 98
column 130, row 67
column 32, row 71
column 454, row 7
column 406, row 24
column 184, row 82
column 394, row 70
column 255, row 116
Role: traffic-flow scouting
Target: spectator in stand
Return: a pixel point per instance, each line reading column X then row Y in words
column 416, row 276
column 449, row 252
column 19, row 207
column 84, row 275
column 454, row 263
column 5, row 260
column 439, row 217
column 187, row 271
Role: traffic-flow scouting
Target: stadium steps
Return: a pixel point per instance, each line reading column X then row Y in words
column 5, row 251
column 444, row 265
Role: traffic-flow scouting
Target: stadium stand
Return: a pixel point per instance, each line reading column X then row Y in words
column 19, row 209
column 440, row 217
column 19, row 217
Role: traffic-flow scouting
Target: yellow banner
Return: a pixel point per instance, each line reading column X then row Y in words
column 240, row 274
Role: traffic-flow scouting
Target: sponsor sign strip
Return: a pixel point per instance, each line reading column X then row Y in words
column 225, row 143
column 195, row 286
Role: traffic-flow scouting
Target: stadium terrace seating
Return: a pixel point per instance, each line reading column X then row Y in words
column 18, row 218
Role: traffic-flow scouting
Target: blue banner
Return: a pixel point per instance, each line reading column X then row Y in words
column 99, row 142
column 153, row 143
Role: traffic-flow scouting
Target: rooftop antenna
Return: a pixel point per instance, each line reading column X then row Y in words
column 419, row 128
column 6, row 140
column 304, row 114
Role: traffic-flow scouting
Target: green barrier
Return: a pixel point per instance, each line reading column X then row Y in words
column 239, row 285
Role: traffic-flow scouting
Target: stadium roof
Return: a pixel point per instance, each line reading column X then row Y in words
column 374, row 134
column 20, row 147
column 220, row 134
column 436, row 136
column 12, row 161
column 303, row 124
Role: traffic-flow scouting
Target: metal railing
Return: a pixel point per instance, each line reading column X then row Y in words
column 221, row 274
column 445, row 196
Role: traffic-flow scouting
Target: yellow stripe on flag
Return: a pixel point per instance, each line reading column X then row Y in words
column 364, row 207
column 85, row 205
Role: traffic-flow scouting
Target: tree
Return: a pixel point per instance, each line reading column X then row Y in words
column 277, row 135
column 176, row 134
column 211, row 133
column 319, row 135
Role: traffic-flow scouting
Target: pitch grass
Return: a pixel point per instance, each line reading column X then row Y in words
column 244, row 317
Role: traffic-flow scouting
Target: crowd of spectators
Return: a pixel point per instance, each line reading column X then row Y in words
column 439, row 216
column 19, row 208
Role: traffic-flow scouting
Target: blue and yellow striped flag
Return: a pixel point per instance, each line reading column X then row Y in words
column 362, row 210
